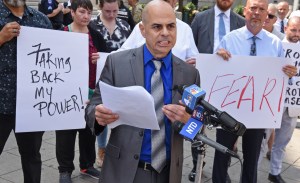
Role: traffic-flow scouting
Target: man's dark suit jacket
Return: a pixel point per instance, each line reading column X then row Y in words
column 126, row 68
column 203, row 27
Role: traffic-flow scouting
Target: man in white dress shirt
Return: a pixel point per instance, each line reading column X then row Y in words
column 250, row 40
column 185, row 47
column 282, row 11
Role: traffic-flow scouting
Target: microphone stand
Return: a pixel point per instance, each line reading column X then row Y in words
column 201, row 148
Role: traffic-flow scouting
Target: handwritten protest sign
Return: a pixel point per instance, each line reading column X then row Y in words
column 292, row 99
column 251, row 89
column 52, row 80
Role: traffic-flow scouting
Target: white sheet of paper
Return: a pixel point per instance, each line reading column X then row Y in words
column 133, row 104
column 100, row 64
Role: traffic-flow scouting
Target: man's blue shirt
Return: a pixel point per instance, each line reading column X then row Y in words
column 167, row 77
column 238, row 42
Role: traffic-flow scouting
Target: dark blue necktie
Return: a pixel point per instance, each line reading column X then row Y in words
column 281, row 26
column 253, row 47
column 222, row 30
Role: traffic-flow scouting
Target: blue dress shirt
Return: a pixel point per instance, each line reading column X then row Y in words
column 167, row 78
column 238, row 42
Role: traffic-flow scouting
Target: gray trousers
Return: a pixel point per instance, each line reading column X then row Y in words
column 264, row 145
column 282, row 137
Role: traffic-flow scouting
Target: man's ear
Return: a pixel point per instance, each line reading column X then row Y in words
column 142, row 28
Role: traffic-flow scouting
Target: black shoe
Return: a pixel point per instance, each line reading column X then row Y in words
column 91, row 171
column 276, row 178
column 228, row 180
column 65, row 177
column 192, row 175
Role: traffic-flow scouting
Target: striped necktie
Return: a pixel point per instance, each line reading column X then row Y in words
column 282, row 26
column 158, row 146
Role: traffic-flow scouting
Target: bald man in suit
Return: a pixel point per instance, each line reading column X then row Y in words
column 128, row 154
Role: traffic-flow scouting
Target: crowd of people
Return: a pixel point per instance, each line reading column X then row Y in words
column 151, row 48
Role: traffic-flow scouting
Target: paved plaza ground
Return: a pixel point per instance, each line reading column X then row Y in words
column 11, row 171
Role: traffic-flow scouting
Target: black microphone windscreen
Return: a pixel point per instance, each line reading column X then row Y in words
column 177, row 125
column 179, row 88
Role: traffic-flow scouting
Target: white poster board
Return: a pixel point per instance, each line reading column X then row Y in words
column 251, row 89
column 292, row 51
column 52, row 80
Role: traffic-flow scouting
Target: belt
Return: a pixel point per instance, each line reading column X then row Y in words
column 146, row 166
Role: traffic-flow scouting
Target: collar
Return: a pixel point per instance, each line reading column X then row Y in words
column 279, row 20
column 285, row 40
column 218, row 12
column 249, row 35
column 99, row 22
column 167, row 60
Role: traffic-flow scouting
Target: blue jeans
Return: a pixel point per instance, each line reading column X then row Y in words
column 101, row 138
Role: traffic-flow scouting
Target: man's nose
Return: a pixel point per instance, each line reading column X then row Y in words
column 165, row 31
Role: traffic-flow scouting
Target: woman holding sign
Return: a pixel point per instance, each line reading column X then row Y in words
column 81, row 11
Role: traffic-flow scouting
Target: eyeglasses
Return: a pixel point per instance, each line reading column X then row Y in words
column 270, row 16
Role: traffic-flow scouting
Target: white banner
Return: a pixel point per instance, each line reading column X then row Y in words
column 52, row 80
column 292, row 51
column 251, row 89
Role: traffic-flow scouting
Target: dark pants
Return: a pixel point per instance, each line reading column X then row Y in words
column 29, row 145
column 65, row 149
column 251, row 144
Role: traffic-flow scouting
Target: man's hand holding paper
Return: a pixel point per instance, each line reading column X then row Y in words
column 105, row 116
column 132, row 106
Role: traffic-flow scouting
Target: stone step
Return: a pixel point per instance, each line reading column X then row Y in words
column 32, row 3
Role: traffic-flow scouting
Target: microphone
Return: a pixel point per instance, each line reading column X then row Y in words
column 182, row 129
column 190, row 129
column 193, row 95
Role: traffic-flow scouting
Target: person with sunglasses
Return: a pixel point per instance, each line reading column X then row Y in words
column 271, row 20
